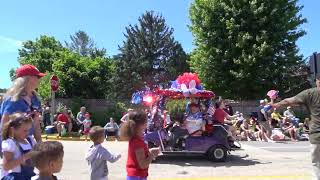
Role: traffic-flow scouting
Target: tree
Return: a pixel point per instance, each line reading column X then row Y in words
column 246, row 47
column 303, row 80
column 12, row 74
column 3, row 90
column 82, row 44
column 80, row 76
column 44, row 89
column 41, row 53
column 83, row 77
column 149, row 56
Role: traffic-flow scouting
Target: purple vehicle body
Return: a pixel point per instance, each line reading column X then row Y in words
column 206, row 145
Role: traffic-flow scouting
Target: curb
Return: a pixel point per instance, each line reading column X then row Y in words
column 50, row 137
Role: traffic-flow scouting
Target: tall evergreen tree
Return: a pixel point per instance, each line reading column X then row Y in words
column 150, row 56
column 245, row 47
column 81, row 43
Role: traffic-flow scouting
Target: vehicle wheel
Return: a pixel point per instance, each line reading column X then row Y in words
column 217, row 153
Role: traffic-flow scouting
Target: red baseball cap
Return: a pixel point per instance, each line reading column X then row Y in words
column 28, row 70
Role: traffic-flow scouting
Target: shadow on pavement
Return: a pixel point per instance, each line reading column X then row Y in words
column 232, row 160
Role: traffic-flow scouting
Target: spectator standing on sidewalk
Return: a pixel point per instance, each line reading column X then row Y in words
column 46, row 116
column 311, row 99
column 86, row 125
column 263, row 120
column 22, row 97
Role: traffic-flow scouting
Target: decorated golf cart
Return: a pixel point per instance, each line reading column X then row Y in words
column 181, row 133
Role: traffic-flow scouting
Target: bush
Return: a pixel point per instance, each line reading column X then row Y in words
column 75, row 105
column 302, row 114
column 176, row 106
column 100, row 118
column 60, row 107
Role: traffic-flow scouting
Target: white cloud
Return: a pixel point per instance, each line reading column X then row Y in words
column 9, row 45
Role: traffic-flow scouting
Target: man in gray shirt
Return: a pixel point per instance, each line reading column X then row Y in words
column 311, row 99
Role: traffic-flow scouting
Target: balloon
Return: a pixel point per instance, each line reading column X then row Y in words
column 273, row 94
column 185, row 78
column 184, row 87
column 185, row 90
column 174, row 85
column 192, row 84
column 136, row 98
column 199, row 87
column 193, row 90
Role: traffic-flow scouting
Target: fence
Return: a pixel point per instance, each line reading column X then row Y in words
column 246, row 107
column 93, row 104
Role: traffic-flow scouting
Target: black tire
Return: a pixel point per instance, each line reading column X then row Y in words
column 217, row 153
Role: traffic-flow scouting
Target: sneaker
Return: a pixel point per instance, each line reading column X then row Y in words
column 233, row 146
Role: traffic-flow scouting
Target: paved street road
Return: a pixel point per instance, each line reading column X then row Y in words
column 257, row 160
column 286, row 146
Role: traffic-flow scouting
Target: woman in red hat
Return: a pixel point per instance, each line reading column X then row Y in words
column 22, row 97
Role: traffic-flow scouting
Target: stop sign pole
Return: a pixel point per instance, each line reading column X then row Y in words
column 54, row 80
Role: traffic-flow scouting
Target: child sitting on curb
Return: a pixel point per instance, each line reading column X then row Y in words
column 97, row 156
column 301, row 134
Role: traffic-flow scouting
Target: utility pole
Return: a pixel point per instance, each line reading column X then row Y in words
column 314, row 63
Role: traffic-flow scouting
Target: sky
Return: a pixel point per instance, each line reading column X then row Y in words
column 105, row 22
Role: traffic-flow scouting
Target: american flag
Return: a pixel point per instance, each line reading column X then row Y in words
column 211, row 110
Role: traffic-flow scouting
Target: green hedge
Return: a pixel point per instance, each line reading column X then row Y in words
column 176, row 106
column 102, row 117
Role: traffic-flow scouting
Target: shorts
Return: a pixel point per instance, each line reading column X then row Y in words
column 265, row 125
column 66, row 125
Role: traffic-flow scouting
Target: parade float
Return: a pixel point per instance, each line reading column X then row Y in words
column 212, row 143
